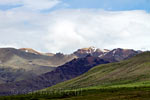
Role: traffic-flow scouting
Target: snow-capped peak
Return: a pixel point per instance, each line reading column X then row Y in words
column 29, row 50
column 104, row 50
column 26, row 51
column 93, row 49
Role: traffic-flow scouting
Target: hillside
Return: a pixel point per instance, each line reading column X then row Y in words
column 134, row 71
column 125, row 80
column 20, row 64
column 62, row 73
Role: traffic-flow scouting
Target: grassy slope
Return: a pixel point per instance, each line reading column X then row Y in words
column 132, row 72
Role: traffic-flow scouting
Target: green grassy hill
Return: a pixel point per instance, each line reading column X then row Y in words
column 128, row 73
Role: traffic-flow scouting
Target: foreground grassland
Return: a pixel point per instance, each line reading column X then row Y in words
column 111, row 93
column 114, row 94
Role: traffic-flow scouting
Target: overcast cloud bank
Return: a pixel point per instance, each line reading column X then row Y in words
column 69, row 29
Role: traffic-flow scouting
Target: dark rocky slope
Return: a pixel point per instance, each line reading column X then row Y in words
column 65, row 72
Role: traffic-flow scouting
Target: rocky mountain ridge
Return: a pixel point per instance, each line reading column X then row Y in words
column 114, row 55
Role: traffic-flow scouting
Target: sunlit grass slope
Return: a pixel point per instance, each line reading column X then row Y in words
column 129, row 73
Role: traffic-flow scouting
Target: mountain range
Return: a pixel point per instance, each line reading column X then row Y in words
column 28, row 70
column 20, row 64
column 114, row 55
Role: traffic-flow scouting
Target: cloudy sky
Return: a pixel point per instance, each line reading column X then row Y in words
column 66, row 25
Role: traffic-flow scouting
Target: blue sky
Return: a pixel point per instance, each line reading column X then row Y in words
column 67, row 25
column 117, row 5
column 114, row 5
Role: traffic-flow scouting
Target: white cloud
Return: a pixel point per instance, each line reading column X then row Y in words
column 40, row 4
column 74, row 29
column 68, row 30
column 9, row 2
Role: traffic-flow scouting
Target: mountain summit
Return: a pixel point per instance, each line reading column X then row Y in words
column 91, row 50
column 29, row 50
column 114, row 55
